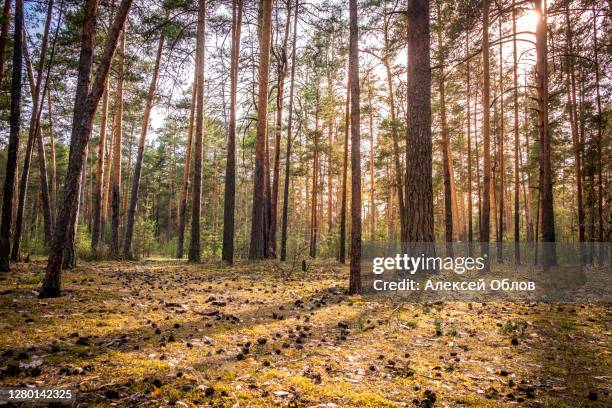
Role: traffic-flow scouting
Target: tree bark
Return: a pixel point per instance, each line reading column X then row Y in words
column 186, row 174
column 347, row 119
column 6, row 17
column 257, row 249
column 117, row 150
column 546, row 182
column 419, row 191
column 330, row 143
column 485, row 223
column 13, row 145
column 517, row 215
column 131, row 214
column 394, row 125
column 502, row 166
column 372, row 197
column 194, row 247
column 97, row 202
column 107, row 182
column 53, row 192
column 469, row 145
column 446, row 160
column 314, row 230
column 230, row 169
column 600, row 187
column 282, row 65
column 25, row 172
column 574, row 125
column 86, row 103
column 355, row 267
column 285, row 216
column 34, row 134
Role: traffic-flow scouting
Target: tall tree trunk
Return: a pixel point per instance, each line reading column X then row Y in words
column 107, row 182
column 517, row 215
column 528, row 183
column 25, row 172
column 230, row 169
column 282, row 65
column 448, row 204
column 34, row 134
column 600, row 187
column 314, row 225
column 13, row 145
column 131, row 214
column 283, row 252
column 53, row 192
column 86, row 103
column 6, row 17
column 419, row 191
column 478, row 191
column 502, row 165
column 372, row 197
column 186, row 173
column 355, row 267
column 485, row 222
column 574, row 125
column 394, row 130
column 469, row 145
column 330, row 142
column 546, row 187
column 98, row 199
column 342, row 239
column 257, row 249
column 194, row 247
column 117, row 150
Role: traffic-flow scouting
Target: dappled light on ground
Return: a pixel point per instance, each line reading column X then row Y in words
column 169, row 333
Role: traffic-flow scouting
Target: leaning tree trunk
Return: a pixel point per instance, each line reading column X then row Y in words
column 546, row 187
column 23, row 184
column 285, row 216
column 117, row 141
column 194, row 247
column 86, row 103
column 13, row 145
column 419, row 191
column 34, row 134
column 257, row 248
column 355, row 256
column 230, row 169
column 131, row 213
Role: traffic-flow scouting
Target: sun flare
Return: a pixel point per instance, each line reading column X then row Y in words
column 528, row 21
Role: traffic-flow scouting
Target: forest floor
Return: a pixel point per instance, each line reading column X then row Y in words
column 161, row 332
